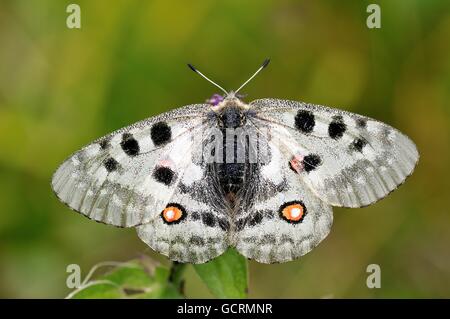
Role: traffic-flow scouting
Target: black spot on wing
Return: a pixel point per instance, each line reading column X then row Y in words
column 358, row 144
column 195, row 216
column 129, row 145
column 196, row 240
column 252, row 220
column 224, row 224
column 104, row 144
column 311, row 162
column 304, row 121
column 164, row 175
column 337, row 127
column 256, row 219
column 240, row 224
column 208, row 219
column 160, row 133
column 110, row 164
column 361, row 123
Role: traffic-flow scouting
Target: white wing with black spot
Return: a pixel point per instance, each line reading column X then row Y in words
column 126, row 178
column 153, row 175
column 287, row 219
column 198, row 232
column 346, row 159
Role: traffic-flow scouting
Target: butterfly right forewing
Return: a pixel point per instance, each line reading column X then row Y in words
column 347, row 159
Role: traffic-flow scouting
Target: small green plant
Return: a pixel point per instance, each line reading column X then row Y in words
column 225, row 276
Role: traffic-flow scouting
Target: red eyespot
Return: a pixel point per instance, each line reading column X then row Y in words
column 293, row 211
column 296, row 163
column 172, row 213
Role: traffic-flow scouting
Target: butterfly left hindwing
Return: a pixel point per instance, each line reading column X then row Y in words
column 198, row 230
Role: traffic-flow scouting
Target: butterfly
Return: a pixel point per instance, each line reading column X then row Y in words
column 260, row 177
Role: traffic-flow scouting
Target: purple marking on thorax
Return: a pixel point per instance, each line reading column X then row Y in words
column 215, row 99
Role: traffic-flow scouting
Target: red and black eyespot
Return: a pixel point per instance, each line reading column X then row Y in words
column 173, row 214
column 293, row 212
column 296, row 164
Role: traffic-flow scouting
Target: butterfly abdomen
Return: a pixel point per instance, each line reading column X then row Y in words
column 231, row 176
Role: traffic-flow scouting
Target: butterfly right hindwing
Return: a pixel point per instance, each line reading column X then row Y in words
column 287, row 221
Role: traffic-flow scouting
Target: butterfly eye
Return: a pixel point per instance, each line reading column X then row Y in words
column 172, row 213
column 293, row 212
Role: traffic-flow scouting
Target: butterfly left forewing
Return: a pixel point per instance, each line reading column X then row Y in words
column 125, row 178
column 347, row 159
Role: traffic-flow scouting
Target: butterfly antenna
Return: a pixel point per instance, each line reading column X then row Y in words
column 206, row 78
column 263, row 65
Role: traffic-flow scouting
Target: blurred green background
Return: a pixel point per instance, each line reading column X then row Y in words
column 61, row 88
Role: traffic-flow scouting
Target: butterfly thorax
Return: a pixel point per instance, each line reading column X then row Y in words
column 231, row 117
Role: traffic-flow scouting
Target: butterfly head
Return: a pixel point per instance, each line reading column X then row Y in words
column 230, row 111
column 215, row 99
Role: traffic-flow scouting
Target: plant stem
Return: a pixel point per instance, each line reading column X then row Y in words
column 176, row 276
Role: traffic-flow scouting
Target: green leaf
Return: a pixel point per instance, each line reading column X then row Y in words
column 130, row 276
column 225, row 276
column 131, row 280
column 99, row 290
